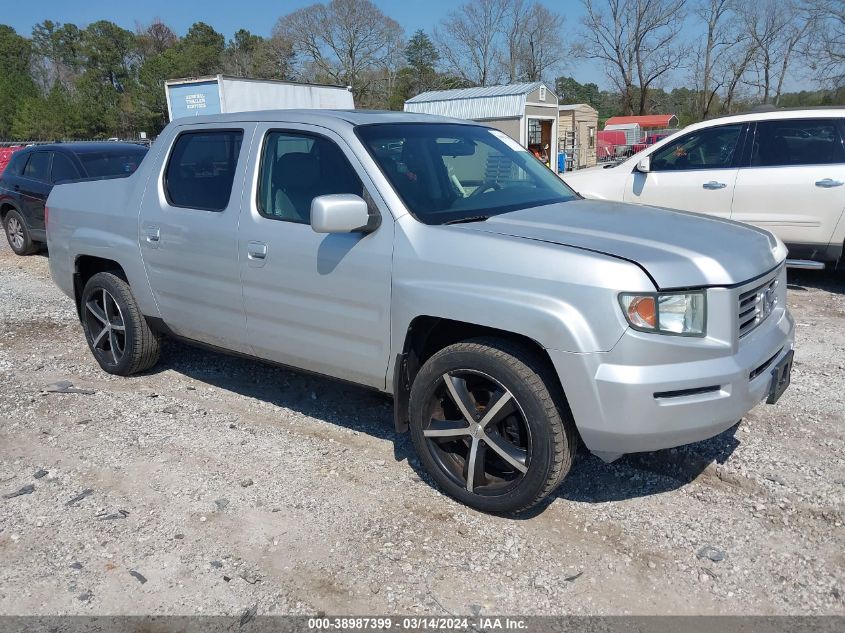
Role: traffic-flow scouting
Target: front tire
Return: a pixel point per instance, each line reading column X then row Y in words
column 118, row 335
column 491, row 425
column 18, row 235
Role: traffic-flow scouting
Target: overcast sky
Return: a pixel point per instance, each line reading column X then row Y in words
column 259, row 16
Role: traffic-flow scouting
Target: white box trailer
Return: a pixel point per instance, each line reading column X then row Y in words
column 221, row 94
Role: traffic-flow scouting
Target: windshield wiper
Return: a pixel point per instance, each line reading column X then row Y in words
column 472, row 218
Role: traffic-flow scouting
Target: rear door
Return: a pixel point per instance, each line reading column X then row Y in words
column 794, row 182
column 696, row 172
column 35, row 186
column 189, row 233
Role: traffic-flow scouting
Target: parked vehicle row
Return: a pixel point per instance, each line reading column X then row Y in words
column 33, row 171
column 783, row 171
column 437, row 261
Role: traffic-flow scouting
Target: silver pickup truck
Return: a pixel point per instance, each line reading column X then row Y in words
column 438, row 261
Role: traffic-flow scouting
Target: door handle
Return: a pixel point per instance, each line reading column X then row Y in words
column 256, row 250
column 714, row 185
column 827, row 183
column 153, row 234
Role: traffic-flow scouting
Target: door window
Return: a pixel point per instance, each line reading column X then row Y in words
column 201, row 169
column 710, row 148
column 38, row 167
column 62, row 169
column 797, row 142
column 295, row 169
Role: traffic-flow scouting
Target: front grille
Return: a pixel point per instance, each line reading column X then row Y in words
column 754, row 306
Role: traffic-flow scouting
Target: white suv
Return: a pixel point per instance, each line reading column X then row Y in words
column 781, row 170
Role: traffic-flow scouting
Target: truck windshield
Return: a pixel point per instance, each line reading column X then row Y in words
column 448, row 172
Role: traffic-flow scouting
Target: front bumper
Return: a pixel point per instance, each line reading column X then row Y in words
column 653, row 391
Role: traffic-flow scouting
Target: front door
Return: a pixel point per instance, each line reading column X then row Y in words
column 189, row 233
column 320, row 302
column 697, row 172
column 794, row 184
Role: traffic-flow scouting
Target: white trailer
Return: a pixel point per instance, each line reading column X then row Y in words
column 221, row 94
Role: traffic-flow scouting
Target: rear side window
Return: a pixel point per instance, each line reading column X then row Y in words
column 63, row 169
column 38, row 166
column 295, row 169
column 16, row 165
column 107, row 164
column 797, row 142
column 201, row 169
column 710, row 148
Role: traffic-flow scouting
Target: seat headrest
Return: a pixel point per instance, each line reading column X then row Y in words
column 297, row 170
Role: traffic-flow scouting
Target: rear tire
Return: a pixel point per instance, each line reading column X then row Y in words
column 18, row 235
column 520, row 440
column 118, row 335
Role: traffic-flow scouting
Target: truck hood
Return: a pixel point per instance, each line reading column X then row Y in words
column 676, row 248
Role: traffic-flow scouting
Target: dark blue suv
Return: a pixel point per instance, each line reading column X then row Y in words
column 32, row 172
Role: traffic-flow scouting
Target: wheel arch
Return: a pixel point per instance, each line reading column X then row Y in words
column 7, row 206
column 425, row 336
column 85, row 267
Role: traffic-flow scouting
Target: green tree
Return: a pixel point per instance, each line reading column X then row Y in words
column 150, row 99
column 16, row 84
column 57, row 53
column 111, row 54
column 200, row 52
column 422, row 57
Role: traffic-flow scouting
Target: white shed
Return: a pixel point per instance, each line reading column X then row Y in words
column 633, row 132
column 527, row 112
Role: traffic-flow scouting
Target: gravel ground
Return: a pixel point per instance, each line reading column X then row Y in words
column 213, row 484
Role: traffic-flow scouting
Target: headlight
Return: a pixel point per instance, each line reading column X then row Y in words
column 683, row 314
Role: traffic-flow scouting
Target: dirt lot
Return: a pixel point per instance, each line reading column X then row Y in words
column 211, row 485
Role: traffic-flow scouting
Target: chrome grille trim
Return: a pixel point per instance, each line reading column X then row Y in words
column 755, row 305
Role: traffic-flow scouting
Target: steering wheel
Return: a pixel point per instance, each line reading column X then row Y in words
column 485, row 186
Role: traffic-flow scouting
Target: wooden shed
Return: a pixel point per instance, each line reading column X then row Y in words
column 577, row 125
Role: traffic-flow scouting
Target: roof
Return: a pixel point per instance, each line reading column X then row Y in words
column 485, row 102
column 85, row 147
column 476, row 93
column 318, row 117
column 644, row 121
column 621, row 126
column 205, row 78
column 567, row 107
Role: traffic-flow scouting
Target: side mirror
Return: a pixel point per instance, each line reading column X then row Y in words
column 644, row 166
column 341, row 213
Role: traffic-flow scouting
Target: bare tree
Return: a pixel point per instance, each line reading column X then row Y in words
column 637, row 40
column 154, row 38
column 345, row 41
column 777, row 29
column 542, row 44
column 734, row 68
column 468, row 40
column 825, row 46
column 717, row 42
column 513, row 33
